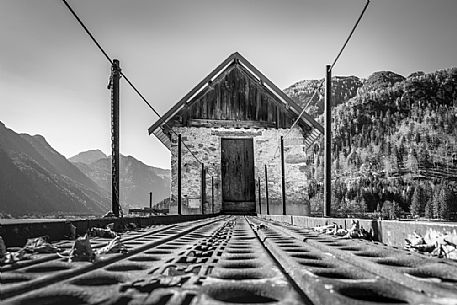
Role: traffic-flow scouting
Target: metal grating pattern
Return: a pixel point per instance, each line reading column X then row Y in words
column 331, row 270
column 233, row 260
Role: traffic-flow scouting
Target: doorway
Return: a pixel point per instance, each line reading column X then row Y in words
column 238, row 181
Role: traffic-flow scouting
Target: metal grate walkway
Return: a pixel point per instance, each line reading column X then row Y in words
column 233, row 260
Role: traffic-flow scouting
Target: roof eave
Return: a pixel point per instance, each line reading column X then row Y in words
column 235, row 56
column 192, row 92
column 163, row 138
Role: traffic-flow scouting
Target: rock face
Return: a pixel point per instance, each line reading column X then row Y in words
column 87, row 157
column 343, row 88
column 36, row 179
column 381, row 80
column 136, row 178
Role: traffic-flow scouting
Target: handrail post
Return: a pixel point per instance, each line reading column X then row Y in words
column 260, row 198
column 266, row 190
column 283, row 178
column 328, row 142
column 203, row 188
column 179, row 174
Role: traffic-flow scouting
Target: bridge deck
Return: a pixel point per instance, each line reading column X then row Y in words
column 232, row 260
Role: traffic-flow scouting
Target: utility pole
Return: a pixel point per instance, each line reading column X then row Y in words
column 328, row 142
column 114, row 86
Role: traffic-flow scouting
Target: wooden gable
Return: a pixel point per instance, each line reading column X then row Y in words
column 235, row 94
column 235, row 98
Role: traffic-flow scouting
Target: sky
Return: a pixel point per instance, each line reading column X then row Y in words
column 53, row 79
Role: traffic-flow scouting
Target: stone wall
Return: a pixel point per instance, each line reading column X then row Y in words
column 267, row 152
column 205, row 143
column 207, row 149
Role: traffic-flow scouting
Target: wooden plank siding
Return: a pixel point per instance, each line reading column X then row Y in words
column 238, row 180
column 235, row 95
column 220, row 94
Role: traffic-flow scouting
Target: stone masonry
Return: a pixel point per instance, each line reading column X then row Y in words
column 205, row 143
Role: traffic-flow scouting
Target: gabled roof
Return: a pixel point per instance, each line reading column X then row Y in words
column 235, row 57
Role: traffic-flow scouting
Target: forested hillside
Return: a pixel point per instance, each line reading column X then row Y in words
column 394, row 146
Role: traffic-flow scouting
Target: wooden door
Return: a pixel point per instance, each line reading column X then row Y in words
column 238, row 182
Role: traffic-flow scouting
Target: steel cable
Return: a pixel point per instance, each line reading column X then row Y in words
column 123, row 75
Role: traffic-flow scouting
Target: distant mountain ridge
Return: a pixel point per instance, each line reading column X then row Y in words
column 36, row 179
column 136, row 178
column 381, row 80
column 343, row 88
column 60, row 163
column 89, row 156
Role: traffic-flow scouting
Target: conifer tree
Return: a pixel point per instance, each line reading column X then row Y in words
column 436, row 201
column 415, row 207
column 445, row 202
column 412, row 163
column 429, row 209
column 426, row 195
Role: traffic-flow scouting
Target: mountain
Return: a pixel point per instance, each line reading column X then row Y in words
column 396, row 136
column 381, row 80
column 136, row 179
column 343, row 88
column 61, row 165
column 87, row 157
column 37, row 180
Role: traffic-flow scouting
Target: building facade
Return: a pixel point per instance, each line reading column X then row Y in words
column 231, row 126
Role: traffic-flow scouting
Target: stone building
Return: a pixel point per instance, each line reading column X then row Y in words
column 232, row 122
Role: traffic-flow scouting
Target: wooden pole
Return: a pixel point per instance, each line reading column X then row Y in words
column 179, row 174
column 283, row 178
column 328, row 142
column 266, row 190
column 260, row 200
column 115, row 76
